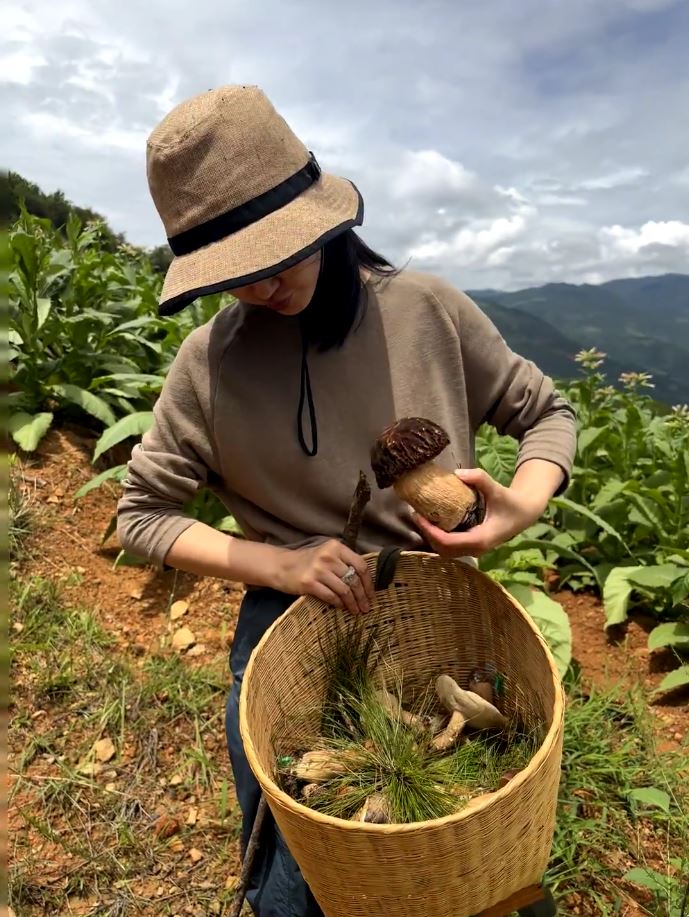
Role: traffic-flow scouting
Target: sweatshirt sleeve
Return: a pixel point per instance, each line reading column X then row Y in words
column 173, row 460
column 510, row 392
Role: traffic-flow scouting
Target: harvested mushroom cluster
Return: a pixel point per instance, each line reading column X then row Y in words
column 403, row 458
column 378, row 760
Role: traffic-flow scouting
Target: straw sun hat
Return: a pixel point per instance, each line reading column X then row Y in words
column 240, row 196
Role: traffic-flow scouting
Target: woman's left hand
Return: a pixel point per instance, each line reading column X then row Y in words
column 509, row 510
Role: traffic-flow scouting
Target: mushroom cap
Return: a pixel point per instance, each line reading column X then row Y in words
column 403, row 446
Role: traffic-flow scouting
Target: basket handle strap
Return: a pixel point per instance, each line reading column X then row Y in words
column 386, row 566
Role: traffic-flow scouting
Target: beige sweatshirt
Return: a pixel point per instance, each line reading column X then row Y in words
column 227, row 416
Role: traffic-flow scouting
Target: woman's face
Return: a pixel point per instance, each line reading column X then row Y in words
column 288, row 292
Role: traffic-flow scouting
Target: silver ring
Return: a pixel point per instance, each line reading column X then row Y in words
column 349, row 576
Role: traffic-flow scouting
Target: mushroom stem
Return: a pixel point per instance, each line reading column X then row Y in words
column 478, row 713
column 439, row 496
column 450, row 735
column 395, row 710
column 321, row 764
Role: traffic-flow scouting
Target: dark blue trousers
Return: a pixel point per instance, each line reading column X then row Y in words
column 276, row 886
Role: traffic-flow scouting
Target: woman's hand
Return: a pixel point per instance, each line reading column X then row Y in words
column 318, row 571
column 509, row 510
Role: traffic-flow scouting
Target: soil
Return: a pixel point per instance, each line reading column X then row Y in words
column 133, row 602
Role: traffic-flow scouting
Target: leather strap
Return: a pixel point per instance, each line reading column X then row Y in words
column 386, row 566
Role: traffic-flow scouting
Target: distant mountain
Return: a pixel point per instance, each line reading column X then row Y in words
column 642, row 324
column 552, row 351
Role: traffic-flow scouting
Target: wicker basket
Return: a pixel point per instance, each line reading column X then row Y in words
column 444, row 616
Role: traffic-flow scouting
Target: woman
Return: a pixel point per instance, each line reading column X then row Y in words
column 276, row 402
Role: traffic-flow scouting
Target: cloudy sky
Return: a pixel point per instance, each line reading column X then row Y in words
column 501, row 143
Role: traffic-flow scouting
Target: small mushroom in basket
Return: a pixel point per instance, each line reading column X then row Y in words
column 394, row 709
column 402, row 458
column 478, row 713
column 482, row 681
column 321, row 764
column 375, row 810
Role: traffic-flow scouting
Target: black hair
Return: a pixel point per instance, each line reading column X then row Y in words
column 339, row 298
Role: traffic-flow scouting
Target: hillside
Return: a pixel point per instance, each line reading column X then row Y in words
column 15, row 191
column 642, row 324
column 539, row 341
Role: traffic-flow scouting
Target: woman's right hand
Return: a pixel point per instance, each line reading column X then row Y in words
column 318, row 572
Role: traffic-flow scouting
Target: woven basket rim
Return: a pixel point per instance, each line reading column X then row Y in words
column 478, row 803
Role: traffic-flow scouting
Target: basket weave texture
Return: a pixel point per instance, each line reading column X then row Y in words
column 442, row 616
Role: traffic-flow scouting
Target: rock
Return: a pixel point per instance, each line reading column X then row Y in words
column 104, row 750
column 166, row 826
column 198, row 650
column 136, row 594
column 193, row 816
column 195, row 855
column 178, row 609
column 18, row 627
column 175, row 780
column 183, row 638
column 90, row 768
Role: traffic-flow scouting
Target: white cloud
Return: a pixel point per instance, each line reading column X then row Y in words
column 46, row 126
column 430, row 175
column 19, row 66
column 472, row 245
column 672, row 233
column 616, row 179
column 499, row 153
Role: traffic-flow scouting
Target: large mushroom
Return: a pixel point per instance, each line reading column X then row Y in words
column 402, row 458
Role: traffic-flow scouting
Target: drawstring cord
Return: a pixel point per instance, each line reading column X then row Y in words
column 305, row 394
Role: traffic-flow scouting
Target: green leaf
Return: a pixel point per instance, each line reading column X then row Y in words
column 648, row 510
column 608, row 493
column 674, row 633
column 551, row 619
column 617, row 591
column 148, row 378
column 680, row 589
column 43, row 307
column 25, row 246
column 132, row 425
column 117, row 471
column 228, row 524
column 647, row 878
column 650, row 796
column 124, row 559
column 87, row 401
column 110, row 529
column 29, row 429
column 659, row 576
column 546, row 546
column 677, row 679
column 588, row 437
column 566, row 503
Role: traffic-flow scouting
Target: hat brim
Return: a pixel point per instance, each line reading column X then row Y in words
column 271, row 245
